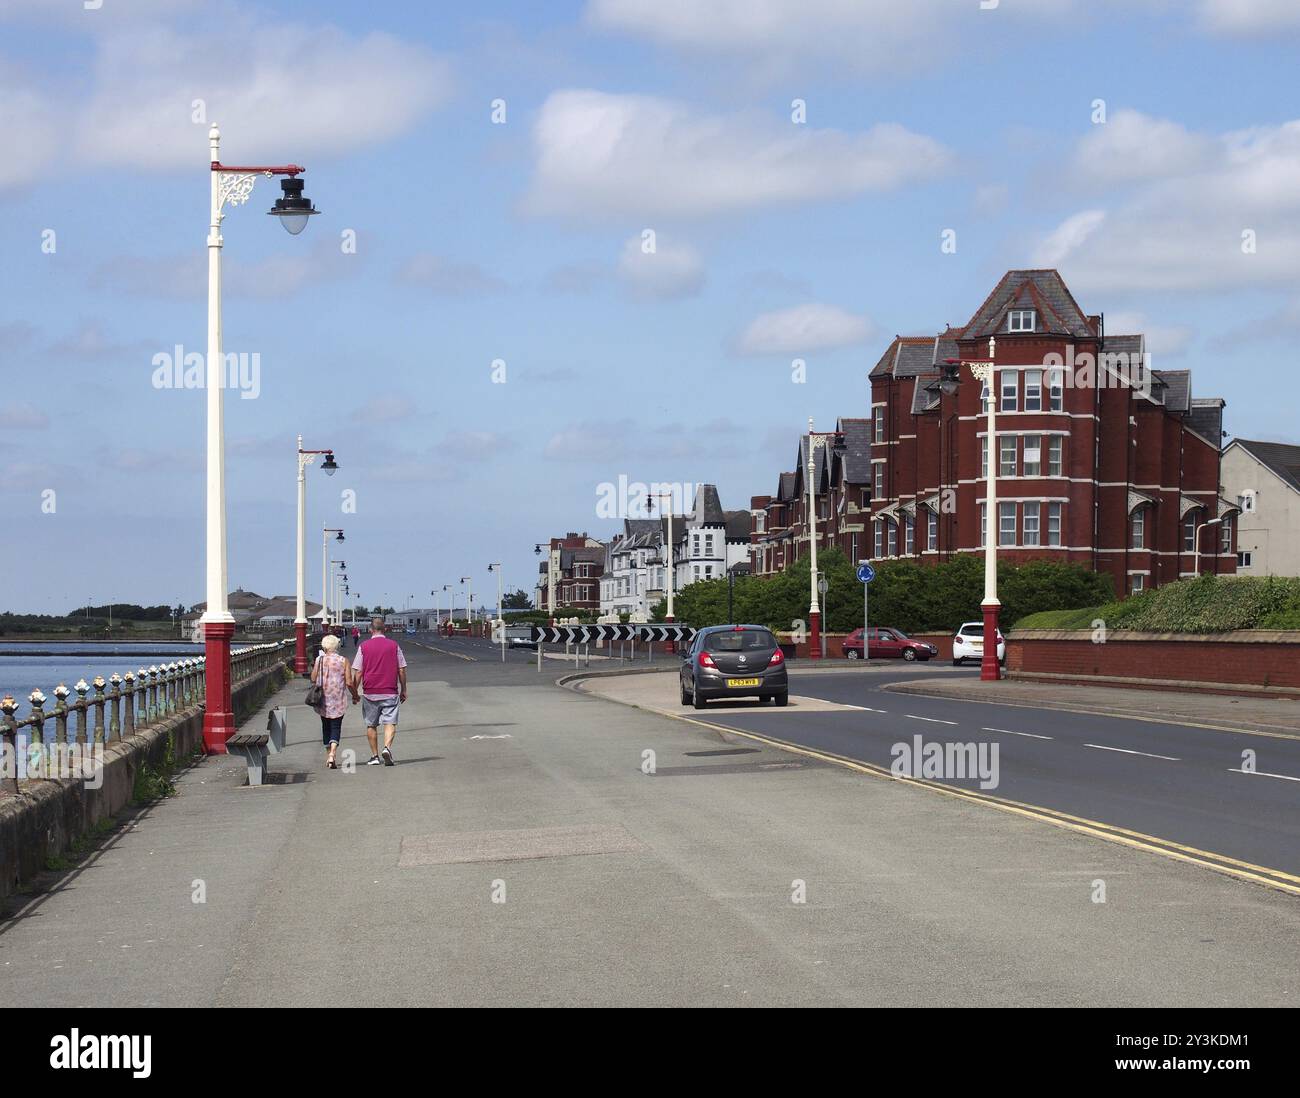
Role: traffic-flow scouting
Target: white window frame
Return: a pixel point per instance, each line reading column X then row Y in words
column 1137, row 583
column 878, row 424
column 1030, row 520
column 984, row 457
column 984, row 524
column 891, row 538
column 879, row 480
column 932, row 530
column 1009, row 390
column 1055, row 390
column 909, row 536
column 1006, row 534
column 1055, row 456
column 1021, row 320
column 1055, row 518
column 1245, row 558
column 1007, row 468
column 1226, row 542
column 1033, row 467
column 1033, row 390
column 1137, row 528
column 879, row 535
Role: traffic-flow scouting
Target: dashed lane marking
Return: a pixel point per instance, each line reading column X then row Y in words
column 932, row 720
column 1008, row 732
column 1127, row 751
column 1262, row 774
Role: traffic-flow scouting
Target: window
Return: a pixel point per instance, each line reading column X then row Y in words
column 760, row 523
column 1189, row 532
column 984, row 524
column 1006, row 524
column 1033, row 390
column 932, row 531
column 1136, row 583
column 1031, row 523
column 984, row 458
column 1053, row 524
column 1055, row 390
column 880, row 536
column 1007, row 456
column 1010, row 390
column 708, row 545
column 1020, row 320
column 1244, row 559
column 1226, row 543
column 891, row 539
column 909, row 535
column 1246, row 501
column 708, row 571
column 878, row 424
column 1138, row 529
column 880, row 479
column 697, row 571
column 1033, row 455
column 984, row 397
column 1055, row 464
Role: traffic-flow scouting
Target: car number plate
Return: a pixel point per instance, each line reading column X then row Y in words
column 743, row 682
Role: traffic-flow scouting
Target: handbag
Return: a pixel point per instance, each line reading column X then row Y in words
column 316, row 695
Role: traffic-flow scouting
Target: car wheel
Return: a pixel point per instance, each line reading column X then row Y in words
column 698, row 701
column 852, row 653
column 686, row 698
column 957, row 662
column 783, row 699
column 909, row 654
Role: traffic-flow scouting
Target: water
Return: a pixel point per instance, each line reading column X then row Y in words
column 69, row 661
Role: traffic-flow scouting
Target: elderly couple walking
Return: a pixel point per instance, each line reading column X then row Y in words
column 377, row 678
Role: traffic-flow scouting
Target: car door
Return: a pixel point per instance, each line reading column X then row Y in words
column 687, row 671
column 888, row 644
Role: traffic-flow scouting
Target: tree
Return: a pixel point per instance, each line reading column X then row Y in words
column 516, row 600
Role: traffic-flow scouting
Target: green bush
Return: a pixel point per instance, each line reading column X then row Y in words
column 912, row 597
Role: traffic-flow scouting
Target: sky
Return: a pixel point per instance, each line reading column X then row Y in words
column 564, row 243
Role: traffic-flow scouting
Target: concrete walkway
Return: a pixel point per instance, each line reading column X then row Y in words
column 520, row 854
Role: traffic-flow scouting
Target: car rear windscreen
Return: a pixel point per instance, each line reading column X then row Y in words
column 739, row 640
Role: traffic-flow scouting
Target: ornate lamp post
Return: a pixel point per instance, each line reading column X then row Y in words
column 990, row 670
column 814, row 610
column 497, row 569
column 329, row 467
column 324, row 572
column 550, row 576
column 232, row 185
column 469, row 602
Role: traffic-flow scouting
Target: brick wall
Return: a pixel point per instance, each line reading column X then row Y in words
column 1246, row 662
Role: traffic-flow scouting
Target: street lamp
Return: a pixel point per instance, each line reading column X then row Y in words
column 990, row 670
column 233, row 186
column 814, row 610
column 1196, row 542
column 336, row 589
column 550, row 576
column 469, row 603
column 497, row 569
column 324, row 571
column 669, row 560
column 329, row 467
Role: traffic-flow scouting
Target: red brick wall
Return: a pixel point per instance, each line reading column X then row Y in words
column 835, row 645
column 1252, row 659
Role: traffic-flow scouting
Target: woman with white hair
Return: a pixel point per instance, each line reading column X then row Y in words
column 333, row 674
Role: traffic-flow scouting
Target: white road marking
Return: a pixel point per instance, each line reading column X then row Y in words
column 503, row 736
column 1008, row 732
column 1126, row 751
column 1262, row 774
column 932, row 720
column 868, row 709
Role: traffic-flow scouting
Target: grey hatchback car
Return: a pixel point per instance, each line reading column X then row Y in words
column 734, row 661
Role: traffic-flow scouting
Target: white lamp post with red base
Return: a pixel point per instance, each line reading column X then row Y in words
column 233, row 186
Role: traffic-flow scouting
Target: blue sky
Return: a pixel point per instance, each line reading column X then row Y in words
column 522, row 242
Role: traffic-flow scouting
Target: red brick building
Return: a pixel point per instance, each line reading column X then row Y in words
column 577, row 561
column 1101, row 461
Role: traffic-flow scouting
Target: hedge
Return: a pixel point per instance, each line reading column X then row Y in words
column 1208, row 604
column 905, row 595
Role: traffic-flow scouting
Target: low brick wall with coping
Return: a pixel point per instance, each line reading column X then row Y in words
column 1247, row 662
column 49, row 815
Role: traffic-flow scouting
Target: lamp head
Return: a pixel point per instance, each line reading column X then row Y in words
column 329, row 466
column 292, row 208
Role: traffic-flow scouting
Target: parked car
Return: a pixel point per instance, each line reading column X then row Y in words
column 888, row 644
column 734, row 661
column 968, row 644
column 520, row 636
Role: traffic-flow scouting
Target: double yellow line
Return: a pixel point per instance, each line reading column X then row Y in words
column 1137, row 840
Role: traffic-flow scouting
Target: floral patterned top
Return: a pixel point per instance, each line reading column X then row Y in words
column 331, row 673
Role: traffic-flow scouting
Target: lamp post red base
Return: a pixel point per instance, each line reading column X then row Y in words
column 815, row 636
column 218, row 713
column 990, row 670
column 669, row 646
column 300, row 648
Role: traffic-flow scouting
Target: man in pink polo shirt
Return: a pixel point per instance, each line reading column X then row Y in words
column 380, row 671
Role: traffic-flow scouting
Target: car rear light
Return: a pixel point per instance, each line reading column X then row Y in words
column 706, row 660
column 778, row 658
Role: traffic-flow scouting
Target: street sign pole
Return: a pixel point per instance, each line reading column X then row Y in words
column 865, row 575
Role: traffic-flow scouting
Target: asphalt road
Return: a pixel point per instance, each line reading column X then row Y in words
column 1174, row 781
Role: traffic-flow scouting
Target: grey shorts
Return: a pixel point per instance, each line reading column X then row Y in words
column 377, row 711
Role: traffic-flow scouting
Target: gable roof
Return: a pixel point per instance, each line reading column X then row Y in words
column 855, row 451
column 1281, row 458
column 739, row 524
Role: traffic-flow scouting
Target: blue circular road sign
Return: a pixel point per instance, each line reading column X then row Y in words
column 866, row 573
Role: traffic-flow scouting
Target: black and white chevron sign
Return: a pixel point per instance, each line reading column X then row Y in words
column 590, row 634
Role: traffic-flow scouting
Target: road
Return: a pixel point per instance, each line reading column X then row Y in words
column 537, row 846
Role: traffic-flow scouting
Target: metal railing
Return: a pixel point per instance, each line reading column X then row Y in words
column 120, row 705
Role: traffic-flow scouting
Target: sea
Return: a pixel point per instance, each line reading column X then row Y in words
column 28, row 665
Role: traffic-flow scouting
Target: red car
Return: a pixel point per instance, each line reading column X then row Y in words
column 888, row 644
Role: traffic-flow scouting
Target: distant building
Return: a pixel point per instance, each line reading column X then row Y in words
column 1263, row 478
column 578, row 562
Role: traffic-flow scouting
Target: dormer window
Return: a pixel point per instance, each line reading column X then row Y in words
column 1020, row 320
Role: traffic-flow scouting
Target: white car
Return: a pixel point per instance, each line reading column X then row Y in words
column 968, row 644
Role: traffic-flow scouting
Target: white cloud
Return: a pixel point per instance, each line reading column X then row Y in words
column 1162, row 340
column 23, row 417
column 447, row 277
column 1133, row 146
column 1184, row 231
column 670, row 271
column 1248, row 18
column 383, row 410
column 29, row 126
column 803, row 329
column 637, row 155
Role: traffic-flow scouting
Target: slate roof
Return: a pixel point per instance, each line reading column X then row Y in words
column 738, row 525
column 1177, row 385
column 926, row 395
column 855, row 452
column 1041, row 290
column 708, row 507
column 1206, row 418
column 1281, row 457
column 785, row 488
